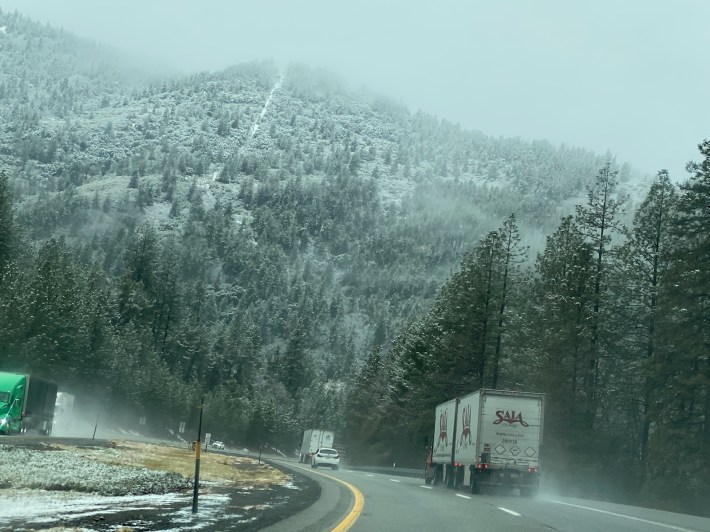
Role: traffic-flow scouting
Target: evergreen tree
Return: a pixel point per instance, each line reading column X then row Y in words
column 559, row 319
column 513, row 254
column 295, row 365
column 680, row 365
column 598, row 220
column 138, row 285
column 645, row 259
column 56, row 328
column 362, row 412
column 8, row 228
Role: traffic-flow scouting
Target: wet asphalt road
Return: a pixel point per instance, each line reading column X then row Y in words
column 399, row 504
column 406, row 504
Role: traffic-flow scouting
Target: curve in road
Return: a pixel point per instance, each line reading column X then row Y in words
column 359, row 502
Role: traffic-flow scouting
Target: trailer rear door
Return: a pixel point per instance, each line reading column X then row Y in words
column 511, row 427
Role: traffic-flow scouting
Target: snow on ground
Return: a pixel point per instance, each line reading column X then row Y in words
column 36, row 508
column 42, row 485
column 63, row 470
column 40, row 506
column 257, row 122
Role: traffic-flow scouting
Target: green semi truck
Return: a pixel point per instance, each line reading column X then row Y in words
column 26, row 404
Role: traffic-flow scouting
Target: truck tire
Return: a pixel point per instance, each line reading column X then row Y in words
column 428, row 476
column 475, row 488
column 450, row 477
column 438, row 474
column 459, row 476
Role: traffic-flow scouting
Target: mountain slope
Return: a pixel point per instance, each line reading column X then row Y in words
column 253, row 220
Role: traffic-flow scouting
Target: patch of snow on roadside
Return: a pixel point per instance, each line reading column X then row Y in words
column 39, row 506
column 210, row 507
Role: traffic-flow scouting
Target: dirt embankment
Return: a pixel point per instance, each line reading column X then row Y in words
column 123, row 485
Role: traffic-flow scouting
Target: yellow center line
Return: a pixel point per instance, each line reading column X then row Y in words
column 354, row 513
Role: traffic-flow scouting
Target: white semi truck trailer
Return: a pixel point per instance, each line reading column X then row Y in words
column 314, row 439
column 489, row 438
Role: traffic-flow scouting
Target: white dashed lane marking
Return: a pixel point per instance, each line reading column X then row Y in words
column 511, row 512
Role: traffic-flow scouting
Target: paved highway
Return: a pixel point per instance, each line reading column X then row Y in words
column 369, row 502
column 405, row 504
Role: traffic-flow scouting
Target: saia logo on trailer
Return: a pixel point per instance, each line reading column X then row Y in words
column 510, row 417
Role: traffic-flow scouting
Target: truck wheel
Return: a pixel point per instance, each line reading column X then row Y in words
column 450, row 477
column 475, row 489
column 438, row 474
column 459, row 476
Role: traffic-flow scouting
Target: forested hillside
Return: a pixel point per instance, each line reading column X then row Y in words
column 262, row 236
column 611, row 323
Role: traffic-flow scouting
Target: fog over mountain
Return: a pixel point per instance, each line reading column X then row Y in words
column 180, row 218
column 617, row 76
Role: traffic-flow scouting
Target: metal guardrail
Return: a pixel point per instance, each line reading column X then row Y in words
column 394, row 471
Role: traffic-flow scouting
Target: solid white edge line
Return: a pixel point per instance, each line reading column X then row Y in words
column 426, row 487
column 639, row 519
column 511, row 512
column 393, row 480
column 463, row 496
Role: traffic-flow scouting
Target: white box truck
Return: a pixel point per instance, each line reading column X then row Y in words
column 489, row 438
column 314, row 439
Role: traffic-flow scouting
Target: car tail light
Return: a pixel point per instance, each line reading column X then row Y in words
column 457, row 464
column 532, row 469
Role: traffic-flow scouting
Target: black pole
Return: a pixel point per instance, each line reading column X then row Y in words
column 198, row 447
column 95, row 427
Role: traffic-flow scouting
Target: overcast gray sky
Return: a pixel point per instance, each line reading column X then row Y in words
column 630, row 76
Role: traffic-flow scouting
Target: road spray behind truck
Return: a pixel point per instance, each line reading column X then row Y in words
column 489, row 438
column 26, row 404
column 314, row 439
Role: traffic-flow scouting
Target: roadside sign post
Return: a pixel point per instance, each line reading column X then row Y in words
column 96, row 425
column 198, row 448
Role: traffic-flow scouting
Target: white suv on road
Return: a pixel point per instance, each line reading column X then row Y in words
column 326, row 457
